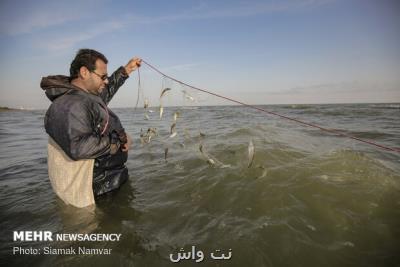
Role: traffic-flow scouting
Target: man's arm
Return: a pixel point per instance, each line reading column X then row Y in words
column 117, row 79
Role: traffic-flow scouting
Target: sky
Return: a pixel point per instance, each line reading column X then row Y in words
column 258, row 52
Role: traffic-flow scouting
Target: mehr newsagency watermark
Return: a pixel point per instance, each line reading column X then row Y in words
column 48, row 236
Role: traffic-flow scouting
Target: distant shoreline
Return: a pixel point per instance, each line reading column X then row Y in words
column 8, row 109
column 298, row 105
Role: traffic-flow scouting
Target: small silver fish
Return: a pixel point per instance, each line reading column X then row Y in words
column 250, row 154
column 203, row 153
column 161, row 111
column 146, row 103
column 176, row 115
column 190, row 97
column 173, row 135
column 172, row 130
column 152, row 131
column 164, row 91
column 201, row 149
column 264, row 171
column 145, row 138
column 165, row 153
column 187, row 96
column 146, row 116
column 210, row 161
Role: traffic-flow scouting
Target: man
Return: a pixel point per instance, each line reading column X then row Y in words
column 80, row 124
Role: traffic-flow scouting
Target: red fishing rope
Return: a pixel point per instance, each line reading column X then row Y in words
column 276, row 114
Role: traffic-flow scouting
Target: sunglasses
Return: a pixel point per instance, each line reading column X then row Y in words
column 103, row 77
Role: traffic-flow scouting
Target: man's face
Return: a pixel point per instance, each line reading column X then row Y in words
column 96, row 82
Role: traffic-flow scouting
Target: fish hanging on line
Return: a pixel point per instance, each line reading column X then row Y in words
column 208, row 159
column 212, row 160
column 146, row 105
column 264, row 171
column 161, row 111
column 187, row 95
column 164, row 91
column 176, row 115
column 250, row 151
column 145, row 138
column 172, row 129
column 165, row 153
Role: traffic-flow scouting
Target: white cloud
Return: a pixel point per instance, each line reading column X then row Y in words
column 244, row 10
column 20, row 18
column 67, row 41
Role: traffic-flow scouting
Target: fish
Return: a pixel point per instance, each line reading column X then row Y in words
column 264, row 171
column 201, row 149
column 152, row 131
column 161, row 111
column 250, row 154
column 176, row 115
column 165, row 153
column 190, row 97
column 146, row 138
column 146, row 116
column 164, row 91
column 210, row 161
column 172, row 130
column 187, row 96
column 150, row 110
column 146, row 103
column 204, row 153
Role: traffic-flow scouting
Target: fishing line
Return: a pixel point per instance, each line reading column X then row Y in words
column 139, row 89
column 276, row 114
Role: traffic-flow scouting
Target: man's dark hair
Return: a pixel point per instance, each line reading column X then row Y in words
column 87, row 58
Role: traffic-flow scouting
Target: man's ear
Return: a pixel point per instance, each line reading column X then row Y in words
column 84, row 73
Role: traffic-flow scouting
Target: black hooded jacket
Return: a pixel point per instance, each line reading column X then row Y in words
column 82, row 125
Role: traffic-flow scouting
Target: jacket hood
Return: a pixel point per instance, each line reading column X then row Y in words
column 56, row 86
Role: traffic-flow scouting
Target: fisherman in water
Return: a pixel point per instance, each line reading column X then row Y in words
column 82, row 128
